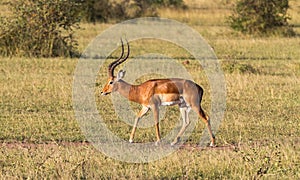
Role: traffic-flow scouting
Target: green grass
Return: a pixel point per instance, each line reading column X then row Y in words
column 262, row 119
column 36, row 102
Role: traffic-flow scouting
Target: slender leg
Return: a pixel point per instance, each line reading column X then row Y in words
column 143, row 111
column 185, row 122
column 206, row 120
column 156, row 119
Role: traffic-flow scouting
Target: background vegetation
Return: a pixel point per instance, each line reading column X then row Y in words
column 40, row 137
column 261, row 17
column 39, row 28
column 112, row 10
column 42, row 28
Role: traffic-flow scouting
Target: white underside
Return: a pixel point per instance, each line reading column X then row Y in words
column 170, row 103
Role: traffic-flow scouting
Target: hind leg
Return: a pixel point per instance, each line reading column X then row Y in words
column 206, row 120
column 185, row 122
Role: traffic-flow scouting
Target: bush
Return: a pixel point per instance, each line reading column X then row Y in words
column 112, row 10
column 261, row 17
column 40, row 28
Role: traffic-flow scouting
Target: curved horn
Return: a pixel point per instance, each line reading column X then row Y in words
column 111, row 66
column 120, row 60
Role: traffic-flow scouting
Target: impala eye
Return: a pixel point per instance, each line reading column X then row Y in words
column 111, row 82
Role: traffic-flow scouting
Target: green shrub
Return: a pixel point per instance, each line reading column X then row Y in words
column 40, row 28
column 112, row 10
column 261, row 17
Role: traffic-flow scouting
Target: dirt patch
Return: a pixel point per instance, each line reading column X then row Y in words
column 30, row 145
column 201, row 148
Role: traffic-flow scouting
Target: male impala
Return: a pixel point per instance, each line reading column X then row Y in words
column 158, row 92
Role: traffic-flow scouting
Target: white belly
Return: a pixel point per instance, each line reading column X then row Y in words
column 170, row 99
column 170, row 103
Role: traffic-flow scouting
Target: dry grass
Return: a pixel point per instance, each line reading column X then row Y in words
column 272, row 160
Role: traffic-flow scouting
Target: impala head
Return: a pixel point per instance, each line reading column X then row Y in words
column 113, row 80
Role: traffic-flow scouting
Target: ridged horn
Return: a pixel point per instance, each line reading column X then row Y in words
column 119, row 61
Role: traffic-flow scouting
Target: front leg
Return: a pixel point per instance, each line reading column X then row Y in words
column 143, row 111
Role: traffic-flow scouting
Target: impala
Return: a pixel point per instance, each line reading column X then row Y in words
column 158, row 92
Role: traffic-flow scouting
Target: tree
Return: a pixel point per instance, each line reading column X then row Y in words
column 261, row 17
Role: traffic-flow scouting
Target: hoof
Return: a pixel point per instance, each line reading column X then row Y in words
column 157, row 143
column 175, row 141
column 212, row 145
column 130, row 141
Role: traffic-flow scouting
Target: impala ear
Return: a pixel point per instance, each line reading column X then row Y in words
column 121, row 74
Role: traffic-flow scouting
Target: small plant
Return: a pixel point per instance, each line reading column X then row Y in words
column 235, row 67
column 40, row 28
column 261, row 17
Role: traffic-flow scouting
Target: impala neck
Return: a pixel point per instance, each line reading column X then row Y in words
column 124, row 88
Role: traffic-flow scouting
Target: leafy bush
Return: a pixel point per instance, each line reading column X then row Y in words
column 108, row 10
column 173, row 3
column 261, row 17
column 40, row 28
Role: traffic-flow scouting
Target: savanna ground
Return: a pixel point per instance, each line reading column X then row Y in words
column 40, row 137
